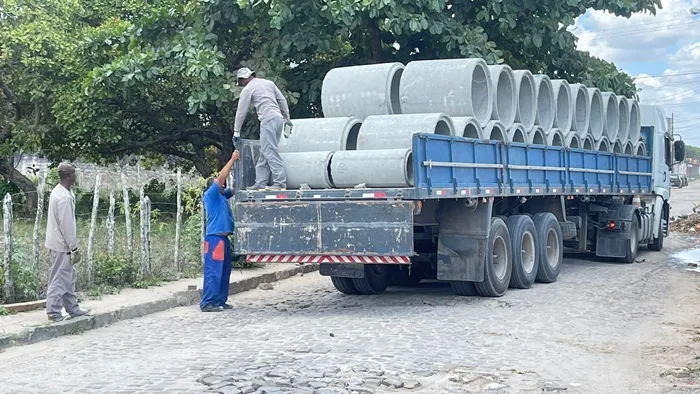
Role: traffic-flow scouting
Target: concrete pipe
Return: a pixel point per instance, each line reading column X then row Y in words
column 623, row 131
column 362, row 91
column 597, row 120
column 375, row 168
column 573, row 141
column 640, row 148
column 635, row 128
column 617, row 147
column 611, row 115
column 321, row 134
column 544, row 94
column 467, row 126
column 629, row 148
column 308, row 167
column 495, row 131
column 517, row 133
column 396, row 131
column 536, row 136
column 562, row 103
column 425, row 85
column 526, row 105
column 580, row 109
column 603, row 145
column 588, row 143
column 504, row 98
column 555, row 138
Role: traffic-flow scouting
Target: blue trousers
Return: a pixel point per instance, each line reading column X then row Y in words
column 217, row 270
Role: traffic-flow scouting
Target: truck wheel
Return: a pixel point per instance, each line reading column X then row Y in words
column 401, row 277
column 498, row 266
column 658, row 243
column 550, row 247
column 523, row 236
column 633, row 246
column 376, row 279
column 464, row 288
column 344, row 285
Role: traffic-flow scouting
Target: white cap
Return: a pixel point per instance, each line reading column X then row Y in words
column 244, row 72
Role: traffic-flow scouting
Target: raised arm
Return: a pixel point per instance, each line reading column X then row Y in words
column 223, row 174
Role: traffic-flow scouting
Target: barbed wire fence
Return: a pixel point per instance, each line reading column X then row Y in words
column 169, row 241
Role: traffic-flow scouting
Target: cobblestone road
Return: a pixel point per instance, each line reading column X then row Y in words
column 603, row 327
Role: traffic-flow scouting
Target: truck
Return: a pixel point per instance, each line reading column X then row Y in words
column 482, row 215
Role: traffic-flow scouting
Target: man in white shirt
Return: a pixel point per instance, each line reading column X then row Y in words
column 62, row 242
column 273, row 113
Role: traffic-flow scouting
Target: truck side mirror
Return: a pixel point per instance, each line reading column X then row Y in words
column 679, row 150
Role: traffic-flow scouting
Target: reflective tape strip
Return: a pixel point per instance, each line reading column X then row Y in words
column 331, row 259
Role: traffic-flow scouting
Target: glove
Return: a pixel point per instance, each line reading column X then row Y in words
column 75, row 257
column 288, row 128
column 236, row 139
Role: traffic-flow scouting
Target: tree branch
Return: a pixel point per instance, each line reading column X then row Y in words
column 10, row 95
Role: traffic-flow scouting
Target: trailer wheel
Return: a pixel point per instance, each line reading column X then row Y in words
column 633, row 247
column 464, row 288
column 344, row 285
column 523, row 236
column 498, row 266
column 550, row 247
column 658, row 243
column 376, row 279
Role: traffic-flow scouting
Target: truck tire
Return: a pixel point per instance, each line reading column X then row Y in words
column 550, row 247
column 523, row 237
column 463, row 288
column 344, row 285
column 376, row 279
column 633, row 246
column 658, row 243
column 498, row 265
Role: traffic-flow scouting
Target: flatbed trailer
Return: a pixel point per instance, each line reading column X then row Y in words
column 483, row 215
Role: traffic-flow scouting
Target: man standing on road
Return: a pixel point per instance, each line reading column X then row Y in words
column 62, row 242
column 217, row 247
column 273, row 114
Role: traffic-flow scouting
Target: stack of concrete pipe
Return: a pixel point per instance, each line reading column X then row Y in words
column 372, row 112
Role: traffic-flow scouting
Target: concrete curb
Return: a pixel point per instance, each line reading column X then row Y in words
column 182, row 298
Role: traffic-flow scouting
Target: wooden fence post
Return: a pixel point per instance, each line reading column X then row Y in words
column 9, row 288
column 91, row 234
column 178, row 222
column 127, row 221
column 145, row 236
column 110, row 225
column 37, row 226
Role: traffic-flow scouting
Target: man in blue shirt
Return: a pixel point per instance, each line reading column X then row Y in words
column 217, row 246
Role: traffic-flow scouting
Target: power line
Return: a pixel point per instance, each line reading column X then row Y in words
column 695, row 72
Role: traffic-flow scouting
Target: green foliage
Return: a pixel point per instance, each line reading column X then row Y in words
column 23, row 276
column 692, row 152
column 115, row 272
column 4, row 311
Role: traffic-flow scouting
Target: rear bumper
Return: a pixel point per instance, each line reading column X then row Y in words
column 277, row 258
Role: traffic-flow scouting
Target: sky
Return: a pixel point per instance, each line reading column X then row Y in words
column 661, row 52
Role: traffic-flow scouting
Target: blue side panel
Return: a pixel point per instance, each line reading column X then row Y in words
column 546, row 168
column 606, row 180
column 633, row 174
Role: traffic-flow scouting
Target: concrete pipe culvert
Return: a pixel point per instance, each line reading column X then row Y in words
column 635, row 126
column 526, row 103
column 603, row 145
column 504, row 97
column 555, row 138
column 640, row 149
column 597, row 116
column 623, row 131
column 495, row 131
column 588, row 143
column 424, row 84
column 517, row 133
column 536, row 136
column 572, row 141
column 611, row 115
column 321, row 134
column 351, row 168
column 544, row 94
column 396, row 131
column 617, row 148
column 562, row 102
column 629, row 148
column 310, row 168
column 468, row 127
column 361, row 91
column 580, row 109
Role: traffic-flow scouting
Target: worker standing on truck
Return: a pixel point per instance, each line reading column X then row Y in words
column 217, row 247
column 273, row 114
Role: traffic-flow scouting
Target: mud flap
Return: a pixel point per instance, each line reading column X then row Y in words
column 615, row 243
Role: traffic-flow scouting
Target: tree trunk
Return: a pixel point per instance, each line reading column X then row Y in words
column 28, row 188
column 375, row 36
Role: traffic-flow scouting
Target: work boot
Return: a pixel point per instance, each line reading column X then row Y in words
column 80, row 312
column 212, row 308
column 255, row 187
column 227, row 306
column 56, row 317
column 275, row 188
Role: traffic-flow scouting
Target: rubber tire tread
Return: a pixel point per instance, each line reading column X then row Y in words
column 630, row 256
column 492, row 286
column 344, row 285
column 658, row 243
column 463, row 288
column 544, row 221
column 518, row 225
column 371, row 283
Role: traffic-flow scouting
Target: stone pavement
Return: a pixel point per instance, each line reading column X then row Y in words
column 602, row 328
column 29, row 327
